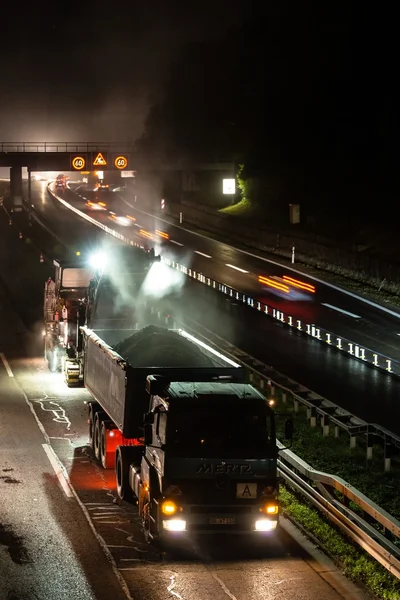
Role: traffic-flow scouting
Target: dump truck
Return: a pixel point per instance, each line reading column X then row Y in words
column 191, row 441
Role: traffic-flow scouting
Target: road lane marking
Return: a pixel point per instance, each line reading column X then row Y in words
column 345, row 312
column 6, row 365
column 177, row 243
column 223, row 586
column 99, row 538
column 171, row 586
column 202, row 254
column 236, row 268
column 58, row 470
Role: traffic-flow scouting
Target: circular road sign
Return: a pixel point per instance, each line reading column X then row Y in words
column 78, row 163
column 121, row 162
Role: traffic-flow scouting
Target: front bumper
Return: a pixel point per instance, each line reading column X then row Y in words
column 200, row 520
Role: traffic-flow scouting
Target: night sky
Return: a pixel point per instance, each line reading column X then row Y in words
column 305, row 93
column 87, row 70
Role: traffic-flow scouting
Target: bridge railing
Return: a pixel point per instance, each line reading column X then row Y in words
column 13, row 147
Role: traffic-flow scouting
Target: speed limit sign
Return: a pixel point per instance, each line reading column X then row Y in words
column 78, row 162
column 121, row 162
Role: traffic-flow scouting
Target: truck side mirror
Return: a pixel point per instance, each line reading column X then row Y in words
column 289, row 428
column 148, row 434
column 148, row 418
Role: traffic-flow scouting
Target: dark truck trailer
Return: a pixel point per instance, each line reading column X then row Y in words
column 191, row 441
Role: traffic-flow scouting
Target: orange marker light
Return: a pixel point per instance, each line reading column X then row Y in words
column 274, row 284
column 145, row 233
column 162, row 234
column 299, row 284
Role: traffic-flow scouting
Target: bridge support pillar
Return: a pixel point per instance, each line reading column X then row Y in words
column 29, row 186
column 16, row 187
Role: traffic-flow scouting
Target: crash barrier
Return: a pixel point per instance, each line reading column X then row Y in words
column 366, row 523
column 375, row 359
column 366, row 355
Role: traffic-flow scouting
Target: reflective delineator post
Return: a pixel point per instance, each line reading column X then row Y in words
column 180, row 217
column 293, row 249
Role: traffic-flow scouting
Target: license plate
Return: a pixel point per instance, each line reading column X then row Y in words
column 222, row 521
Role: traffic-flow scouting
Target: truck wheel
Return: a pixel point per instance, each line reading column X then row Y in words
column 99, row 416
column 107, row 449
column 122, row 464
column 93, row 408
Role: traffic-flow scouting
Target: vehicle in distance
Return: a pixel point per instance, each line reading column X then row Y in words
column 61, row 182
column 287, row 287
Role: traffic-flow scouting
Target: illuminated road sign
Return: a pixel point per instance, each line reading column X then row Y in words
column 78, row 162
column 99, row 161
column 121, row 162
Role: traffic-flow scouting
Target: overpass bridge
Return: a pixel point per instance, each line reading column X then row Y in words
column 91, row 156
column 60, row 157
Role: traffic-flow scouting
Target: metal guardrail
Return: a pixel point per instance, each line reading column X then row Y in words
column 370, row 357
column 369, row 533
column 378, row 538
column 66, row 147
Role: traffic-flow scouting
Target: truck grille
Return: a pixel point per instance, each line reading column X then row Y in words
column 205, row 510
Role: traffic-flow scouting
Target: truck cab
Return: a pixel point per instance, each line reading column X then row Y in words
column 209, row 462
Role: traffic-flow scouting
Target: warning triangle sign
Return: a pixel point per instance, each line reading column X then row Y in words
column 99, row 161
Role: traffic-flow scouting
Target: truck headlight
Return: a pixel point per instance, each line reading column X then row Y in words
column 265, row 525
column 174, row 525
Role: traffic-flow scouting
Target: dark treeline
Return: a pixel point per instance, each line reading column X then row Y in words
column 302, row 94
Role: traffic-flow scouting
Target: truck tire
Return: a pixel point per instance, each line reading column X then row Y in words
column 123, row 461
column 93, row 408
column 107, row 448
column 98, row 418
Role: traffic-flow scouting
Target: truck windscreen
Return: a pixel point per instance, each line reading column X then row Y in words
column 214, row 432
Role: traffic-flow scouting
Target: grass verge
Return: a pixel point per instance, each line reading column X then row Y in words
column 333, row 455
column 242, row 208
column 357, row 565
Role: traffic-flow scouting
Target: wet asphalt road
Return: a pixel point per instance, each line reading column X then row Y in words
column 47, row 549
column 356, row 387
column 65, row 558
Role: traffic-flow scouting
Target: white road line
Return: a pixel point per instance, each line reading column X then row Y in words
column 6, row 365
column 171, row 586
column 177, row 243
column 202, row 254
column 58, row 470
column 236, row 268
column 345, row 312
column 224, row 588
